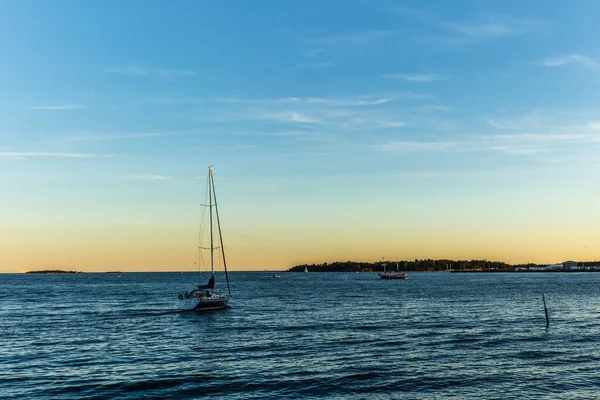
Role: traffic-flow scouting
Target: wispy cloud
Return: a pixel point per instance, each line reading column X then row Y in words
column 278, row 133
column 489, row 28
column 457, row 174
column 141, row 70
column 315, row 65
column 493, row 30
column 571, row 59
column 481, row 28
column 171, row 100
column 399, row 146
column 350, row 101
column 349, row 119
column 98, row 137
column 26, row 154
column 543, row 134
column 528, row 143
column 149, row 178
column 551, row 121
column 549, row 138
column 290, row 116
column 415, row 77
column 232, row 146
column 316, row 52
column 523, row 143
column 332, row 115
column 339, row 46
column 62, row 107
column 354, row 37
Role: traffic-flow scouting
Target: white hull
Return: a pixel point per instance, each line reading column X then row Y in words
column 203, row 303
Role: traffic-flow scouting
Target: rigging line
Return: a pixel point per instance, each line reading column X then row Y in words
column 212, row 250
column 204, row 224
column 220, row 234
column 202, row 227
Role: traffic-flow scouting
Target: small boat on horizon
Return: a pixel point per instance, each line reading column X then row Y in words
column 305, row 270
column 204, row 297
column 275, row 276
column 392, row 274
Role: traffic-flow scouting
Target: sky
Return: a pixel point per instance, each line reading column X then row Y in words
column 338, row 130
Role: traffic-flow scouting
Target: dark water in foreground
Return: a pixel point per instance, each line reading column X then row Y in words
column 318, row 335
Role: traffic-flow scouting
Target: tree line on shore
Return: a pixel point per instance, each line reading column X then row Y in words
column 416, row 265
column 53, row 271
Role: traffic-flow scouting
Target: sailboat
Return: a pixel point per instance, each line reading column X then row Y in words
column 305, row 270
column 204, row 297
column 392, row 274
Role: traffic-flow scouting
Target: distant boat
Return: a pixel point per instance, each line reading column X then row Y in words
column 275, row 276
column 392, row 274
column 204, row 297
column 305, row 270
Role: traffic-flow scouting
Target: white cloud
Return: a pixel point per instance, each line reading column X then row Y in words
column 65, row 107
column 415, row 77
column 571, row 59
column 141, row 70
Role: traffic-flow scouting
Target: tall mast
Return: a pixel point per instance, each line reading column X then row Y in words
column 220, row 234
column 210, row 196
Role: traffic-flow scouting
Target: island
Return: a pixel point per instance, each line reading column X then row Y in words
column 447, row 265
column 53, row 271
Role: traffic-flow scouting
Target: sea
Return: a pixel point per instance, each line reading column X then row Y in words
column 301, row 336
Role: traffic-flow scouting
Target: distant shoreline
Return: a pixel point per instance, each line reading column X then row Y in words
column 524, row 271
column 455, row 266
column 54, row 271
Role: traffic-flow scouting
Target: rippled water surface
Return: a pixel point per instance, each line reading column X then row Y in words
column 317, row 335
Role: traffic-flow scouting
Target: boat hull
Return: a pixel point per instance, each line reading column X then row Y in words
column 203, row 303
column 393, row 277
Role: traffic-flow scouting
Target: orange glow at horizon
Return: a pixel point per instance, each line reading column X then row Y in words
column 130, row 250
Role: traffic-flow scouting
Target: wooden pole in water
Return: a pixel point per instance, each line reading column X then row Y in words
column 546, row 311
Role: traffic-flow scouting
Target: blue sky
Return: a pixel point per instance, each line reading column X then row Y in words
column 337, row 117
